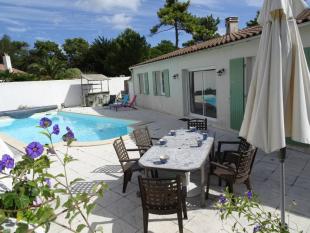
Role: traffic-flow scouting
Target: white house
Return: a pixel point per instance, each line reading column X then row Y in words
column 210, row 79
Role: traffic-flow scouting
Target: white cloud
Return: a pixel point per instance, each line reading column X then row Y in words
column 10, row 21
column 256, row 3
column 118, row 21
column 102, row 5
column 16, row 29
column 205, row 2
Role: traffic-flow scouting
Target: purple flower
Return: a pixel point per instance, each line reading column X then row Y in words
column 250, row 194
column 48, row 182
column 34, row 150
column 45, row 122
column 7, row 161
column 69, row 136
column 256, row 228
column 56, row 129
column 1, row 166
column 222, row 200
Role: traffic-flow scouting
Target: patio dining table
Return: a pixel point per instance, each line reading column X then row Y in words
column 184, row 155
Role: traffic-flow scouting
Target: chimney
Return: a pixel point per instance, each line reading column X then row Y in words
column 231, row 24
column 7, row 63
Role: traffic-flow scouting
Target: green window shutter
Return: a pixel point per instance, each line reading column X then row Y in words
column 307, row 53
column 146, row 84
column 154, row 83
column 236, row 67
column 167, row 83
column 158, row 82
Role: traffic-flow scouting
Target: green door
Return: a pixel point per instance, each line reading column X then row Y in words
column 307, row 53
column 237, row 104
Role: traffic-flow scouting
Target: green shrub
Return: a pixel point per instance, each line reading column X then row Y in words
column 72, row 73
column 17, row 77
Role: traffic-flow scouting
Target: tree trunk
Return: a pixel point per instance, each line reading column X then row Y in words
column 176, row 35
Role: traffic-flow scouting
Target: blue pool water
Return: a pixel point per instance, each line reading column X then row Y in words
column 85, row 127
column 210, row 99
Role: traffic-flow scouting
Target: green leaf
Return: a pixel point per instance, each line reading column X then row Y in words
column 22, row 202
column 80, row 227
column 22, row 228
column 57, row 202
column 90, row 207
column 46, row 134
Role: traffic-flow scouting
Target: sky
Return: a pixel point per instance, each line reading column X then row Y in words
column 57, row 20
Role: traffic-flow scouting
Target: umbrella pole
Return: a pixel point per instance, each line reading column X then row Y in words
column 282, row 155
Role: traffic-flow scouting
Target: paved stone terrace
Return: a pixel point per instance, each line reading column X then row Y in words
column 122, row 213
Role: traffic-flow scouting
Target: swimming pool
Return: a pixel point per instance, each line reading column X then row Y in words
column 87, row 128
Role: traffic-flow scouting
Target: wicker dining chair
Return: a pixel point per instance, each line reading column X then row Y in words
column 200, row 124
column 143, row 139
column 129, row 166
column 162, row 197
column 222, row 156
column 237, row 171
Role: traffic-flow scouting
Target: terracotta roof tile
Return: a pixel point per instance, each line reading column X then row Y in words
column 225, row 39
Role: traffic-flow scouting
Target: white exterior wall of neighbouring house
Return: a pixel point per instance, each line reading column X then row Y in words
column 43, row 93
column 217, row 58
column 117, row 84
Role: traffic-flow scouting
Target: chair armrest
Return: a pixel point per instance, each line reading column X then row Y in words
column 155, row 138
column 146, row 147
column 220, row 143
column 222, row 166
column 134, row 149
column 128, row 160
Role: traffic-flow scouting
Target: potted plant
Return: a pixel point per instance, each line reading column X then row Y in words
column 34, row 200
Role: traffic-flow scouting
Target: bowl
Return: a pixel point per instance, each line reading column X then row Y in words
column 164, row 158
column 162, row 141
column 192, row 129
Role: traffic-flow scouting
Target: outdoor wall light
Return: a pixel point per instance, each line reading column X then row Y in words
column 175, row 76
column 220, row 72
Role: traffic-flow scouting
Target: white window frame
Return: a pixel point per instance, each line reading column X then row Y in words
column 141, row 83
column 162, row 83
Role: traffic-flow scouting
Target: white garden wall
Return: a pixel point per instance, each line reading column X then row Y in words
column 43, row 93
column 39, row 93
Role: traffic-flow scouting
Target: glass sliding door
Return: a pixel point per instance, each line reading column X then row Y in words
column 203, row 93
column 196, row 94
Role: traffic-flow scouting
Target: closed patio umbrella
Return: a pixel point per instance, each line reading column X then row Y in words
column 278, row 104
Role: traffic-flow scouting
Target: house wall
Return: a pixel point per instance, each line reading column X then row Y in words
column 217, row 58
column 43, row 93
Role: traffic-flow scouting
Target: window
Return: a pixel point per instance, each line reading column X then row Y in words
column 161, row 85
column 141, row 83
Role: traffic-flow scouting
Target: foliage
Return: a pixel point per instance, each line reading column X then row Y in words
column 248, row 207
column 35, row 196
column 165, row 46
column 253, row 22
column 71, row 73
column 48, row 66
column 130, row 48
column 18, row 51
column 203, row 29
column 46, row 49
column 76, row 50
column 6, row 76
column 114, row 57
column 174, row 15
